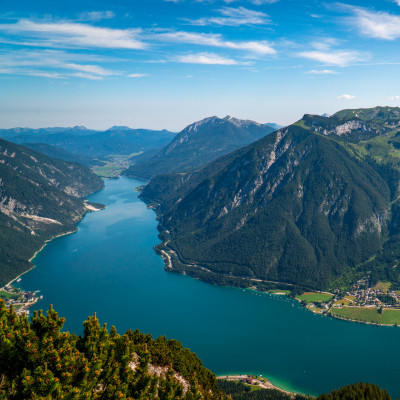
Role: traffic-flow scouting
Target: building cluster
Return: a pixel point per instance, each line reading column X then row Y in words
column 364, row 296
column 19, row 299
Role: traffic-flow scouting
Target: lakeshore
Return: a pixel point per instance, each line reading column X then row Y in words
column 255, row 381
column 22, row 307
column 365, row 304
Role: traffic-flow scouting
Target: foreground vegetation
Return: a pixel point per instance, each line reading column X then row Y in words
column 358, row 391
column 37, row 360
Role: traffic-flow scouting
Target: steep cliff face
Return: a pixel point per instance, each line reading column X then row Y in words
column 199, row 143
column 301, row 205
column 39, row 197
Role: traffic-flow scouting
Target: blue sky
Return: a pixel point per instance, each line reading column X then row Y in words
column 166, row 63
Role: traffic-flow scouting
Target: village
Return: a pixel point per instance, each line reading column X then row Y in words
column 19, row 299
column 379, row 296
column 360, row 295
column 379, row 304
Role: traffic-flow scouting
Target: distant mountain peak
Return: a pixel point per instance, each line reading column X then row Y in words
column 274, row 125
column 120, row 128
column 201, row 142
column 196, row 125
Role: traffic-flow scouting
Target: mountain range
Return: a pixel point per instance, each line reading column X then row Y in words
column 199, row 143
column 314, row 204
column 88, row 143
column 40, row 197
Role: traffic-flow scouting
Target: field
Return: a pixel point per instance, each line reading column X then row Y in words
column 114, row 165
column 385, row 286
column 345, row 301
column 388, row 317
column 6, row 295
column 311, row 297
column 314, row 308
column 111, row 170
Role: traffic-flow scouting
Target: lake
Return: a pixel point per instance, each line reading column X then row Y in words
column 109, row 267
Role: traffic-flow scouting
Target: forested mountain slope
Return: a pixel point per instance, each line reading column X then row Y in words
column 303, row 205
column 199, row 143
column 39, row 197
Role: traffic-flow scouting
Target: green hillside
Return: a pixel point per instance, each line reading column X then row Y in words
column 40, row 197
column 312, row 204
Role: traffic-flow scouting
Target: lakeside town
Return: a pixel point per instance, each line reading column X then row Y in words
column 377, row 305
column 19, row 299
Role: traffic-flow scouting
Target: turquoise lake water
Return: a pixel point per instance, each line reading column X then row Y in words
column 109, row 267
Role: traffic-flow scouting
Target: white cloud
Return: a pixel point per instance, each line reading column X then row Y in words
column 394, row 97
column 215, row 40
column 234, row 17
column 68, row 34
column 339, row 58
column 51, row 75
column 397, row 2
column 324, row 44
column 92, row 69
column 52, row 64
column 207, row 59
column 136, row 75
column 380, row 25
column 96, row 15
column 87, row 76
column 346, row 97
column 322, row 72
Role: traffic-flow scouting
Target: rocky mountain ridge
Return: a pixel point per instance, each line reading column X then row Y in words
column 83, row 142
